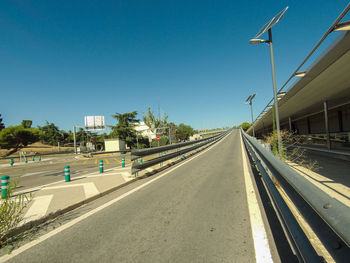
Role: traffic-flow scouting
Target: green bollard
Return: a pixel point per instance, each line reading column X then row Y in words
column 25, row 159
column 12, row 161
column 39, row 158
column 183, row 156
column 164, row 153
column 141, row 160
column 123, row 161
column 4, row 183
column 101, row 166
column 33, row 158
column 67, row 173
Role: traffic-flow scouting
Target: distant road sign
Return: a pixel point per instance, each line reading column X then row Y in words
column 158, row 139
column 271, row 23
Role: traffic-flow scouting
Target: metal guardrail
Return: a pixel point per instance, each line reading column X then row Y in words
column 334, row 213
column 138, row 153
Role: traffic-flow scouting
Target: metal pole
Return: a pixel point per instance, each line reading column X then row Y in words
column 251, row 111
column 326, row 123
column 275, row 93
column 75, row 141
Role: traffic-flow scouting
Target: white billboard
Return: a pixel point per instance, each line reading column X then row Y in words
column 94, row 123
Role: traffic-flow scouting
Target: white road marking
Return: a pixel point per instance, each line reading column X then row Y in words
column 35, row 173
column 89, row 188
column 96, row 210
column 38, row 208
column 261, row 243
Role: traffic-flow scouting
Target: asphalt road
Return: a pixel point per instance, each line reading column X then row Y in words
column 197, row 212
column 51, row 169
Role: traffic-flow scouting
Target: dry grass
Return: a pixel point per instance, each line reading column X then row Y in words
column 36, row 148
column 292, row 150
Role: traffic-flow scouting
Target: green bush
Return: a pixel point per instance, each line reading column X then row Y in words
column 11, row 212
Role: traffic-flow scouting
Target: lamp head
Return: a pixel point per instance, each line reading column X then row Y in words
column 345, row 26
column 300, row 74
column 258, row 41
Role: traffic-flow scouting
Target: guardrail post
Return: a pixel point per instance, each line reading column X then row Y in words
column 67, row 173
column 12, row 161
column 123, row 161
column 4, row 185
column 101, row 166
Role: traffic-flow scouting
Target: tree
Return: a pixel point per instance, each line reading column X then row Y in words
column 51, row 134
column 2, row 126
column 18, row 136
column 172, row 132
column 154, row 123
column 164, row 140
column 124, row 129
column 245, row 126
column 27, row 124
column 184, row 132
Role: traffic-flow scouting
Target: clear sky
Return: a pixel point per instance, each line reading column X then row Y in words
column 62, row 60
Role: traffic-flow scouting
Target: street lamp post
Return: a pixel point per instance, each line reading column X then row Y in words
column 256, row 40
column 250, row 101
column 277, row 119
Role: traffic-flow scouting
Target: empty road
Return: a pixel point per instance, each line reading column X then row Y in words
column 196, row 211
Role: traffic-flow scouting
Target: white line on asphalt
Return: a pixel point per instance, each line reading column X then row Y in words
column 35, row 173
column 96, row 210
column 89, row 188
column 39, row 208
column 261, row 243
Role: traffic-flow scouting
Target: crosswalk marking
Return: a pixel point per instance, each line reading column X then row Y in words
column 38, row 208
column 126, row 176
column 89, row 188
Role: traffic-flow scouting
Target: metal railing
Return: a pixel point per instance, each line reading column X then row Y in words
column 139, row 153
column 332, row 212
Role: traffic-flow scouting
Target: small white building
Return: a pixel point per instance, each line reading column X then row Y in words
column 113, row 145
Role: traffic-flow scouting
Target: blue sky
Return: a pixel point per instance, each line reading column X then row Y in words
column 62, row 60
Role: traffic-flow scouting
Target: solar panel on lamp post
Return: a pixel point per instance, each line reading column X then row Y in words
column 256, row 40
column 249, row 100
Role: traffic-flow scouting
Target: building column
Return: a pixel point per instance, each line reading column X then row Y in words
column 326, row 123
column 290, row 124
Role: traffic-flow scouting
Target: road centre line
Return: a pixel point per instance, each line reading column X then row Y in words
column 261, row 243
column 96, row 210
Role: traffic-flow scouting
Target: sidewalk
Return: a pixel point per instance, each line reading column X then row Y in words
column 51, row 200
column 335, row 189
column 343, row 154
